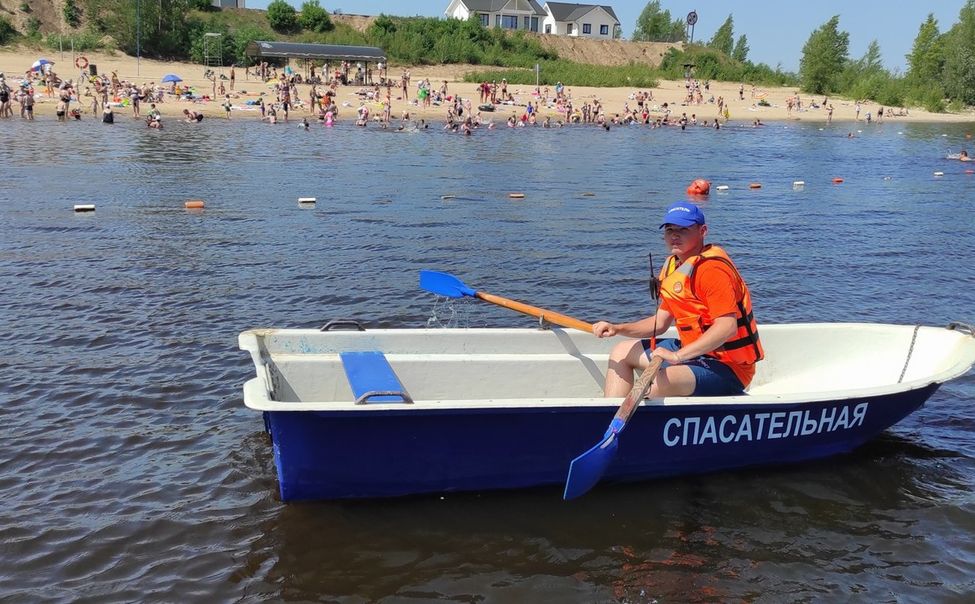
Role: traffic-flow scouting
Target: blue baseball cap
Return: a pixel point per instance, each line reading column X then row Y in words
column 683, row 213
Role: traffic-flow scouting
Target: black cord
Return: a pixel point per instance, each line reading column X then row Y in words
column 654, row 280
column 655, row 296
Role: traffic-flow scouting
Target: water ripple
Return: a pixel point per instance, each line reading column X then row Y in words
column 133, row 472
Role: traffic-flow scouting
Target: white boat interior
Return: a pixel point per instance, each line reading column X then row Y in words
column 303, row 369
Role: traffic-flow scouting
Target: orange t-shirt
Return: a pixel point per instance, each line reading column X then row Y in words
column 717, row 286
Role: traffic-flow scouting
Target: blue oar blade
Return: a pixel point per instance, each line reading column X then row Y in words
column 586, row 470
column 444, row 284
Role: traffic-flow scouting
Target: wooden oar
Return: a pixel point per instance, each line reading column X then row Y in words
column 586, row 470
column 448, row 285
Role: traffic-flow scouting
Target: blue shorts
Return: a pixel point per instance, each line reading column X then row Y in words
column 711, row 376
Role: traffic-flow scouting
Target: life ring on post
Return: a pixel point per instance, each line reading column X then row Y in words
column 81, row 62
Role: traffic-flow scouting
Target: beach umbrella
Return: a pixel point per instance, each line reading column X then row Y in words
column 171, row 77
column 39, row 63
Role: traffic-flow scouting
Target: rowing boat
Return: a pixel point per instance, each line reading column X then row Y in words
column 392, row 412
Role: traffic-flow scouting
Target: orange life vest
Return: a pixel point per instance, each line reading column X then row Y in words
column 693, row 317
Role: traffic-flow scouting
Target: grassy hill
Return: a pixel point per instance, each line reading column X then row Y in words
column 43, row 16
column 170, row 31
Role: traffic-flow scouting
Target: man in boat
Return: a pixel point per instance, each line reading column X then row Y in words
column 700, row 290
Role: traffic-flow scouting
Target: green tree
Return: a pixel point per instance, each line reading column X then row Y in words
column 870, row 63
column 33, row 27
column 740, row 53
column 823, row 57
column 314, row 17
column 7, row 31
column 959, row 66
column 244, row 36
column 927, row 57
column 282, row 16
column 724, row 39
column 166, row 26
column 655, row 25
column 72, row 16
column 383, row 27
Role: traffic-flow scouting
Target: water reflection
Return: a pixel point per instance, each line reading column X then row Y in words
column 709, row 538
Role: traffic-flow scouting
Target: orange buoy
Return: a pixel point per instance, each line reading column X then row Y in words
column 755, row 185
column 699, row 187
column 194, row 204
column 837, row 180
column 516, row 195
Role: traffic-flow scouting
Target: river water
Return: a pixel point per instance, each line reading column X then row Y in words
column 131, row 471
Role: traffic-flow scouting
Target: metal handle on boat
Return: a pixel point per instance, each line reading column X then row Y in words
column 342, row 324
column 962, row 327
column 362, row 400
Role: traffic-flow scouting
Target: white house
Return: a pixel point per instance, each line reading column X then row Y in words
column 509, row 14
column 585, row 20
column 228, row 3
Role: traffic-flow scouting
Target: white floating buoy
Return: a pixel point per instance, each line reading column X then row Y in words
column 306, row 200
column 448, row 197
column 722, row 187
column 798, row 184
column 84, row 207
column 939, row 173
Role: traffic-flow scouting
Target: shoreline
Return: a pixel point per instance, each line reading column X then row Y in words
column 14, row 63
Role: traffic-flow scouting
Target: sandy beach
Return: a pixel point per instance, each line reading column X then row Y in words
column 16, row 61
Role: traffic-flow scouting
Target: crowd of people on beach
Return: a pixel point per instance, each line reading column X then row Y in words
column 106, row 93
column 543, row 107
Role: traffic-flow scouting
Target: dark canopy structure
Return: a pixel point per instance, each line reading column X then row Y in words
column 329, row 52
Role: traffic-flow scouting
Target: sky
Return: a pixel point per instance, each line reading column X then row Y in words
column 776, row 31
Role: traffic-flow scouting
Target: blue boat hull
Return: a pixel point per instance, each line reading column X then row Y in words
column 370, row 453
